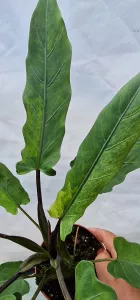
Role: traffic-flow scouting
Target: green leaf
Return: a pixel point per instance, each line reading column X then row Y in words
column 44, row 225
column 33, row 260
column 7, row 270
column 88, row 287
column 63, row 251
column 8, row 297
column 47, row 93
column 72, row 162
column 131, row 163
column 20, row 286
column 127, row 265
column 18, row 296
column 100, row 156
column 12, row 194
column 26, row 243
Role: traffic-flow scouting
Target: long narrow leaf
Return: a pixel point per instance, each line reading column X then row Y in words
column 26, row 243
column 32, row 261
column 131, row 163
column 47, row 93
column 100, row 156
column 44, row 225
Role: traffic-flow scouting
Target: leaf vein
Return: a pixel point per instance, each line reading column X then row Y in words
column 39, row 36
column 36, row 75
column 53, row 79
column 132, row 114
column 54, row 46
column 119, row 143
column 52, row 143
column 57, row 110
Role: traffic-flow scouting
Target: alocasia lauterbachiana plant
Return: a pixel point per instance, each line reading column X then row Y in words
column 109, row 152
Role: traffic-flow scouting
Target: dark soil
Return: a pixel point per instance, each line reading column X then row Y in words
column 87, row 247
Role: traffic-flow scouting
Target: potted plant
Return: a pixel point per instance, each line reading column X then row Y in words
column 64, row 264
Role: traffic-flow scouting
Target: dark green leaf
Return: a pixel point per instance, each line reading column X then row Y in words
column 131, row 163
column 47, row 93
column 44, row 225
column 12, row 194
column 127, row 265
column 26, row 243
column 63, row 251
column 32, row 261
column 88, row 287
column 100, row 156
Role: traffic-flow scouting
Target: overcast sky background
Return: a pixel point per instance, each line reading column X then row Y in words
column 105, row 37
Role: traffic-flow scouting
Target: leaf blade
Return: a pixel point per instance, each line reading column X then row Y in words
column 85, row 277
column 47, row 93
column 24, row 242
column 7, row 270
column 20, row 286
column 32, row 261
column 100, row 156
column 8, row 297
column 131, row 164
column 18, row 296
column 127, row 265
column 12, row 194
column 44, row 225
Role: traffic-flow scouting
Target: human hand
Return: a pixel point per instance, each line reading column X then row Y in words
column 122, row 288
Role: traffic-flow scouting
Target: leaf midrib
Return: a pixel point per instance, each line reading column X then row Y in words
column 45, row 90
column 99, row 155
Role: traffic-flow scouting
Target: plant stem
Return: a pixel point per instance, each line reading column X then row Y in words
column 75, row 241
column 43, row 222
column 38, row 185
column 103, row 260
column 39, row 287
column 29, row 217
column 61, row 281
column 9, row 282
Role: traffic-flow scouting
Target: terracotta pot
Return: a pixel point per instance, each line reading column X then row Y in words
column 45, row 296
column 102, row 246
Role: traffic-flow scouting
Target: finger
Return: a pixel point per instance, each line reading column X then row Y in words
column 101, row 268
column 105, row 237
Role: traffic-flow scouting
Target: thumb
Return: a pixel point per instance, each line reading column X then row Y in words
column 101, row 267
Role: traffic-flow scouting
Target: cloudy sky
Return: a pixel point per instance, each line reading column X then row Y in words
column 105, row 37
